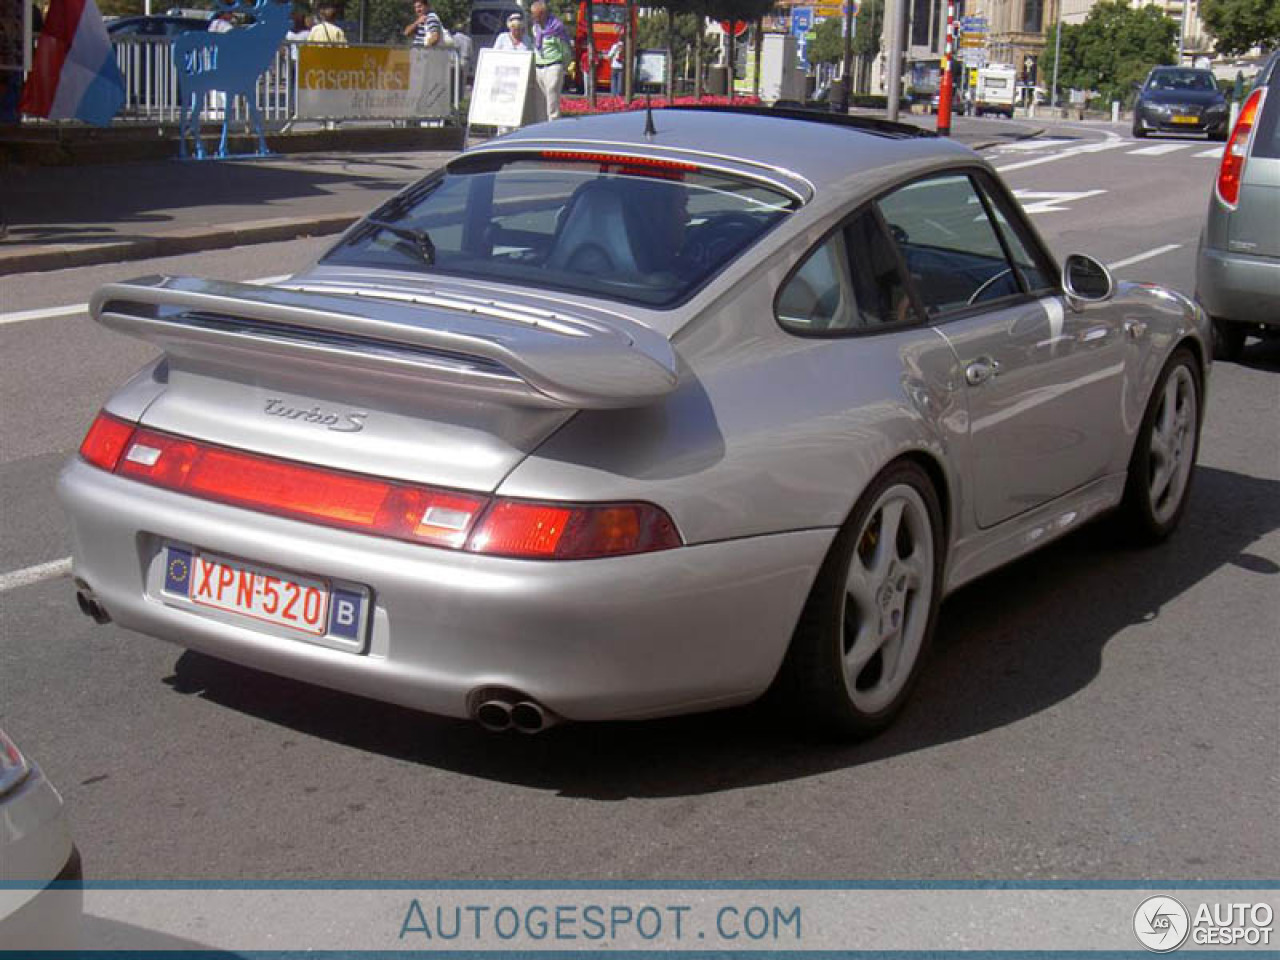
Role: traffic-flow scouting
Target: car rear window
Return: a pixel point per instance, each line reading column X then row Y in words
column 634, row 229
column 1266, row 142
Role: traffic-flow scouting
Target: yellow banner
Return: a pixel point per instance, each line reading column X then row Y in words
column 356, row 82
column 323, row 67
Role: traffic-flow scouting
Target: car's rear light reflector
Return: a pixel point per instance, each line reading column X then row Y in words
column 573, row 532
column 618, row 163
column 302, row 492
column 106, row 441
column 1231, row 171
column 419, row 514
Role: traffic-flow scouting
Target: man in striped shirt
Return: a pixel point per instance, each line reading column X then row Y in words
column 426, row 28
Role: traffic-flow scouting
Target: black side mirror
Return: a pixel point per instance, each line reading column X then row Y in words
column 1084, row 278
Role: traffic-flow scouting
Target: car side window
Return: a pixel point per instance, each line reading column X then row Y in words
column 851, row 282
column 1034, row 273
column 817, row 297
column 949, row 244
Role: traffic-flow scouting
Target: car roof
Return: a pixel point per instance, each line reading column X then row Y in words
column 817, row 149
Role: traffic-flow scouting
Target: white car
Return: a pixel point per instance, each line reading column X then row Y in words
column 40, row 897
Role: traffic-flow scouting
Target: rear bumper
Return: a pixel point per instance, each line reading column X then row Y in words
column 1239, row 287
column 663, row 633
column 1157, row 123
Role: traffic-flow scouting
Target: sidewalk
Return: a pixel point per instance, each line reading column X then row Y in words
column 67, row 216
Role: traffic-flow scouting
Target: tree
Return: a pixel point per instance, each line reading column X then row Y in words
column 687, row 30
column 827, row 45
column 1240, row 25
column 1113, row 49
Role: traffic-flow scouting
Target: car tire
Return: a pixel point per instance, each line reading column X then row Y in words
column 1163, row 461
column 870, row 617
column 1139, row 131
column 1228, row 340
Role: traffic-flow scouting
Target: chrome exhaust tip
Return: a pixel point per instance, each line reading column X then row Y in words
column 494, row 716
column 529, row 717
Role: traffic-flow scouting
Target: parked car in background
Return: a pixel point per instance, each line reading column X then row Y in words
column 1180, row 100
column 155, row 26
column 36, row 851
column 1238, row 268
column 594, row 423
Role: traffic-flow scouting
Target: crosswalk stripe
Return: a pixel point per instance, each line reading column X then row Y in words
column 1158, row 149
column 1038, row 144
column 1216, row 153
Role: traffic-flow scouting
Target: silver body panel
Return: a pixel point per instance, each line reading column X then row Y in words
column 758, row 450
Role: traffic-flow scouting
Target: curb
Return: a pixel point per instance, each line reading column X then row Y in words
column 51, row 256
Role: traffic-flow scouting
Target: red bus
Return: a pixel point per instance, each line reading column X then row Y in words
column 608, row 17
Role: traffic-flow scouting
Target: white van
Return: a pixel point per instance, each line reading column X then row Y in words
column 996, row 92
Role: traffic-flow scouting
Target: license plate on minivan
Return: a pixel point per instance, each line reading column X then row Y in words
column 263, row 593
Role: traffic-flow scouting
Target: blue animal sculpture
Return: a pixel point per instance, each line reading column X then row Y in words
column 230, row 62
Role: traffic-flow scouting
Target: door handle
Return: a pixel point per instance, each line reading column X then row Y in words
column 981, row 370
column 1135, row 328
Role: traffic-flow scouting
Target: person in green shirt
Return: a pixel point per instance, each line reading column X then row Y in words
column 552, row 53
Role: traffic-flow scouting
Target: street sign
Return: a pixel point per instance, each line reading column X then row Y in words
column 974, row 56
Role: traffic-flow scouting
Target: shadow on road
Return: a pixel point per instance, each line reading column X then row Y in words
column 105, row 205
column 1008, row 647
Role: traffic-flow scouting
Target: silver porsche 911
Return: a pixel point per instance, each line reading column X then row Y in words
column 595, row 423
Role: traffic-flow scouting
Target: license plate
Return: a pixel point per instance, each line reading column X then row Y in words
column 1183, row 119
column 263, row 593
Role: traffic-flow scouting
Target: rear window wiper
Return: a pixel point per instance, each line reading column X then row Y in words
column 420, row 239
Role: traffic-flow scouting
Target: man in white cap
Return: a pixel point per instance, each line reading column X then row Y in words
column 514, row 38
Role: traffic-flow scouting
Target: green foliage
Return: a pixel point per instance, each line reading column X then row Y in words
column 866, row 38
column 1112, row 50
column 1239, row 25
column 827, row 45
column 651, row 34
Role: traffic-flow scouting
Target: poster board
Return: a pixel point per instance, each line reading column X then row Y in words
column 365, row 82
column 15, row 35
column 504, row 93
column 651, row 70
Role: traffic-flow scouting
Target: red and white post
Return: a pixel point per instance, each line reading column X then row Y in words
column 945, row 88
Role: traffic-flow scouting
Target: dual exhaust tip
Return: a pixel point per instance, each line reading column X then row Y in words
column 498, row 711
column 90, row 606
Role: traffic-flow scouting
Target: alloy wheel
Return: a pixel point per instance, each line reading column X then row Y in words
column 888, row 596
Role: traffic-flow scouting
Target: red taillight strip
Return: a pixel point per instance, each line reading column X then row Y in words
column 1236, row 153
column 411, row 512
column 623, row 163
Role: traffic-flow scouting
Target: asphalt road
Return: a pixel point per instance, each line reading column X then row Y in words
column 1092, row 712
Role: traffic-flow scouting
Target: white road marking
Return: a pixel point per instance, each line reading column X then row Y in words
column 1216, row 153
column 75, row 309
column 1139, row 257
column 47, row 313
column 1048, row 201
column 1158, row 150
column 30, row 575
column 1027, row 146
column 1070, row 152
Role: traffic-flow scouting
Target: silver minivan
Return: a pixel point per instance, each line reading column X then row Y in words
column 1238, row 268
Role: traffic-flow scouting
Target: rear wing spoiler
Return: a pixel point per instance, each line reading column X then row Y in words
column 516, row 354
